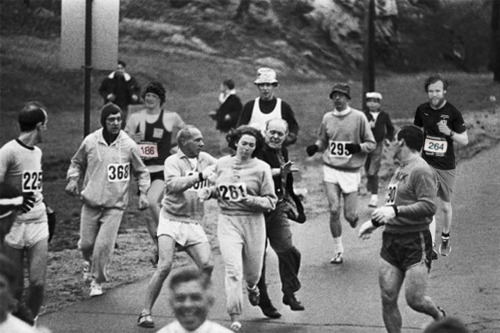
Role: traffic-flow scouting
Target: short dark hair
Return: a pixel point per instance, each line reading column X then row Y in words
column 157, row 88
column 123, row 63
column 229, row 83
column 413, row 136
column 234, row 135
column 32, row 113
column 433, row 79
column 187, row 274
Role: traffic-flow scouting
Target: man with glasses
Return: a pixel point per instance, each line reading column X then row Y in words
column 265, row 107
column 102, row 166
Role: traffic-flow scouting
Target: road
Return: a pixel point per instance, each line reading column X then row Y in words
column 346, row 298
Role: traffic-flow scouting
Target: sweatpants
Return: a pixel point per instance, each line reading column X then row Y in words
column 98, row 232
column 242, row 243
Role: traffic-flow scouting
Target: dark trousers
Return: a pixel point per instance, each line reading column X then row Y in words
column 279, row 236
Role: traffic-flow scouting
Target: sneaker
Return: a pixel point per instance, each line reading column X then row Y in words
column 293, row 303
column 445, row 247
column 235, row 326
column 373, row 202
column 145, row 320
column 87, row 277
column 253, row 295
column 337, row 258
column 95, row 289
column 434, row 255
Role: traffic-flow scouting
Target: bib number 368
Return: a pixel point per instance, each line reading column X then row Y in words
column 118, row 172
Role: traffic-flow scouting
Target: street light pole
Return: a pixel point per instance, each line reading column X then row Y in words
column 88, row 66
column 369, row 52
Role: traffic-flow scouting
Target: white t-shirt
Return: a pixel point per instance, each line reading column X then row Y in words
column 207, row 327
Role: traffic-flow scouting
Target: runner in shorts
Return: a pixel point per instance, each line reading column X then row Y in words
column 406, row 241
column 181, row 216
column 346, row 138
column 21, row 167
column 443, row 125
column 153, row 129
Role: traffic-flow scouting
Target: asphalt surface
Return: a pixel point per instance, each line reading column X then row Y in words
column 345, row 298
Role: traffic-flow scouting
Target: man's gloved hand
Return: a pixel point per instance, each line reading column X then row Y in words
column 28, row 201
column 311, row 150
column 353, row 148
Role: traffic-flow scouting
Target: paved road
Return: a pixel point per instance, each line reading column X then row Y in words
column 346, row 298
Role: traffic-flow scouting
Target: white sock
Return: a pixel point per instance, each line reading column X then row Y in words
column 374, row 197
column 432, row 229
column 337, row 245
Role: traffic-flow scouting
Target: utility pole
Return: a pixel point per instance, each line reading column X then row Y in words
column 495, row 40
column 87, row 66
column 369, row 52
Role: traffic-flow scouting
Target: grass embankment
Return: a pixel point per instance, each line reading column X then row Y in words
column 30, row 71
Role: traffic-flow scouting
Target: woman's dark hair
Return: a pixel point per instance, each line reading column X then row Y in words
column 234, row 135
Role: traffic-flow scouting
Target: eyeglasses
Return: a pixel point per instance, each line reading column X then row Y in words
column 267, row 84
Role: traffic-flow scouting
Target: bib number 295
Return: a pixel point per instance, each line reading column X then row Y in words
column 118, row 172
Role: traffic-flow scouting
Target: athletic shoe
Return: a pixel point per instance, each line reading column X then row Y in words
column 95, row 289
column 373, row 203
column 253, row 295
column 445, row 247
column 145, row 320
column 87, row 277
column 337, row 258
column 434, row 255
column 235, row 326
column 293, row 303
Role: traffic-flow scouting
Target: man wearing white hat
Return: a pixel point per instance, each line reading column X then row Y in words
column 265, row 107
column 383, row 131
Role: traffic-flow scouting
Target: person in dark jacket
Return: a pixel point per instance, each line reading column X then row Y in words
column 278, row 230
column 383, row 131
column 228, row 113
column 120, row 88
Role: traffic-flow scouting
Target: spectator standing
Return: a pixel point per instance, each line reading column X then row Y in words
column 406, row 253
column 21, row 167
column 228, row 113
column 103, row 166
column 120, row 88
column 152, row 129
column 244, row 190
column 186, row 173
column 191, row 299
column 346, row 138
column 443, row 125
column 383, row 132
column 278, row 229
column 268, row 106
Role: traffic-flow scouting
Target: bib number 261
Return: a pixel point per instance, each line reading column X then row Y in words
column 232, row 192
column 118, row 172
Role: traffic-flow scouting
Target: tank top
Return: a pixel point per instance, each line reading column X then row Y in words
column 259, row 119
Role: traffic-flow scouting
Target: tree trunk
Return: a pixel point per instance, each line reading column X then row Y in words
column 495, row 40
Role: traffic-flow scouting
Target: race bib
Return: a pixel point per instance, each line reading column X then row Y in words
column 338, row 149
column 148, row 149
column 435, row 146
column 118, row 172
column 390, row 197
column 198, row 185
column 31, row 180
column 232, row 192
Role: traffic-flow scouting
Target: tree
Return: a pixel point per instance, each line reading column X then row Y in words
column 495, row 40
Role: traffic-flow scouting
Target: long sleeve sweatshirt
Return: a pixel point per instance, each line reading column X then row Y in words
column 252, row 178
column 181, row 202
column 413, row 191
column 339, row 128
column 106, row 170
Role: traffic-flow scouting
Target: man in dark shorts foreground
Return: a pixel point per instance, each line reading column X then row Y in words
column 406, row 241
